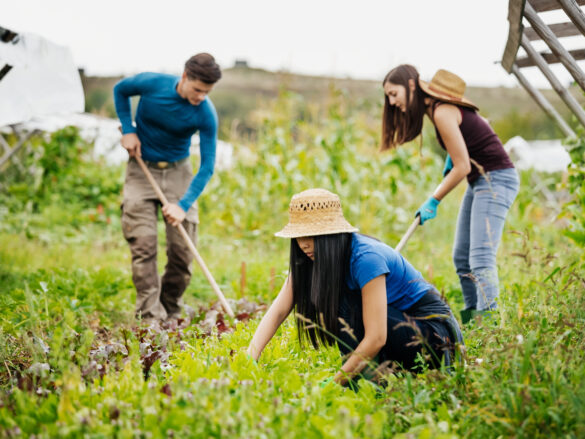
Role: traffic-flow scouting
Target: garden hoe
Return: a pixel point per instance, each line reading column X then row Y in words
column 187, row 239
column 408, row 233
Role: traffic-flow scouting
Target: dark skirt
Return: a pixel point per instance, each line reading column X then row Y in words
column 428, row 327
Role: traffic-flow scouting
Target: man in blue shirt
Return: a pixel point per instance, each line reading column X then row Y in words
column 170, row 110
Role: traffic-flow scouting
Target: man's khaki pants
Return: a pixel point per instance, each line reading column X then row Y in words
column 155, row 297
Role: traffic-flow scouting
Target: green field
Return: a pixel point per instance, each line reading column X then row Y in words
column 74, row 363
column 243, row 93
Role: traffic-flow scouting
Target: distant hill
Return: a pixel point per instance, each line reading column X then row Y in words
column 243, row 90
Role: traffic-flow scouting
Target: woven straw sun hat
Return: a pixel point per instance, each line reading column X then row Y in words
column 447, row 87
column 315, row 212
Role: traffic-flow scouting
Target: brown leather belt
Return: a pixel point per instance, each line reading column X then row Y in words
column 165, row 165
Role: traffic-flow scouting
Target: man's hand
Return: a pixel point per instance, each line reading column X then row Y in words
column 174, row 214
column 131, row 142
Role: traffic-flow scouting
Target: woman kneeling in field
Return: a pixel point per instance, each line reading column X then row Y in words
column 360, row 292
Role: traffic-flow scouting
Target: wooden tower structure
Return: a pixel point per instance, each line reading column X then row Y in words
column 520, row 36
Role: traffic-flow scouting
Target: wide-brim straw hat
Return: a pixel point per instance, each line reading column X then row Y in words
column 447, row 87
column 315, row 212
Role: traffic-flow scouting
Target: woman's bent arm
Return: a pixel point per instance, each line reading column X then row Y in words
column 276, row 314
column 375, row 314
column 447, row 119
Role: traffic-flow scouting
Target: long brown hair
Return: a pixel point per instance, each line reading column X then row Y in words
column 400, row 127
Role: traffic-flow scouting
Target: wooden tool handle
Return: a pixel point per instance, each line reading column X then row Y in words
column 187, row 239
column 408, row 233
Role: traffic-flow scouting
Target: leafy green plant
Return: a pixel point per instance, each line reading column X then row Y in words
column 75, row 363
column 59, row 182
column 576, row 185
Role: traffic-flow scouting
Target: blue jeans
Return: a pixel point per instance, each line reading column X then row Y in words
column 479, row 231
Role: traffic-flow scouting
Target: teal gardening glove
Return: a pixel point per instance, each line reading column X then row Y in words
column 448, row 166
column 428, row 210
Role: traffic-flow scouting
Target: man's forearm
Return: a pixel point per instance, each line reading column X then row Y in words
column 195, row 189
column 202, row 177
column 123, row 109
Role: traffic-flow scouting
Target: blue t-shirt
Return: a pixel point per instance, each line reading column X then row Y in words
column 371, row 258
column 165, row 123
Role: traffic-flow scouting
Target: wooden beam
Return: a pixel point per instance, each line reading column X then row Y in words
column 560, row 30
column 550, row 5
column 557, row 48
column 543, row 102
column 550, row 58
column 515, row 11
column 6, row 35
column 4, row 144
column 556, row 84
column 21, row 142
column 575, row 14
column 4, row 70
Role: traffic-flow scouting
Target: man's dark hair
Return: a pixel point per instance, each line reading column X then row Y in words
column 203, row 67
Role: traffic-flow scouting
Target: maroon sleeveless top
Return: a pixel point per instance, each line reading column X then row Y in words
column 483, row 144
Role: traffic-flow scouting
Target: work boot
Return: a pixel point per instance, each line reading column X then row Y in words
column 468, row 314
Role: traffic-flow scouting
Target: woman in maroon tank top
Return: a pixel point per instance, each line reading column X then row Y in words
column 475, row 152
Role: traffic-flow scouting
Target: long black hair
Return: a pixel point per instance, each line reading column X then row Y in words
column 318, row 285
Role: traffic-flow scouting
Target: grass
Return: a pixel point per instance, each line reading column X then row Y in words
column 74, row 363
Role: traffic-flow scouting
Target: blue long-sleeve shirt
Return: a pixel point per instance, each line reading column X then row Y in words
column 165, row 123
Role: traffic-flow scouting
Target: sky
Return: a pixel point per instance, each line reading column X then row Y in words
column 358, row 39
